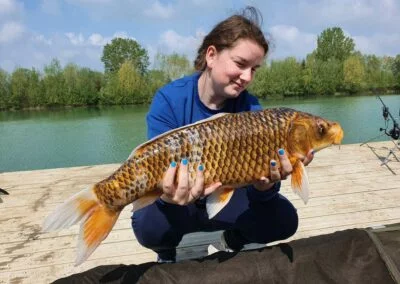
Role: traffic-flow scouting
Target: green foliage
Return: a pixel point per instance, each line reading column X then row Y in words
column 121, row 50
column 353, row 72
column 322, row 77
column 25, row 88
column 54, row 84
column 173, row 66
column 333, row 44
column 4, row 89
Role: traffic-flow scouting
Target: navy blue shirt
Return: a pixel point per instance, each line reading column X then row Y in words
column 178, row 104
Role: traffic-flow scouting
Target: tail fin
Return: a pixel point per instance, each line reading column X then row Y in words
column 96, row 225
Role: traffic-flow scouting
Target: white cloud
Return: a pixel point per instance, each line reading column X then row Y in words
column 290, row 41
column 97, row 39
column 8, row 7
column 157, row 10
column 378, row 44
column 11, row 31
column 75, row 39
column 42, row 39
column 170, row 41
column 367, row 14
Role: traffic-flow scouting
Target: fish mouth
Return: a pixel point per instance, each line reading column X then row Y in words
column 338, row 134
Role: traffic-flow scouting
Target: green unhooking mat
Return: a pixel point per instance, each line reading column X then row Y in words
column 351, row 256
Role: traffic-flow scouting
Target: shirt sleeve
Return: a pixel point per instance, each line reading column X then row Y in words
column 160, row 117
column 254, row 104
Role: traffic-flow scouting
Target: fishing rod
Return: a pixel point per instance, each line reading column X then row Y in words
column 395, row 131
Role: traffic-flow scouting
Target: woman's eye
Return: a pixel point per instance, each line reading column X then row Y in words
column 239, row 64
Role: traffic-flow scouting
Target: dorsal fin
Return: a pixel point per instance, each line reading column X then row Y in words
column 218, row 115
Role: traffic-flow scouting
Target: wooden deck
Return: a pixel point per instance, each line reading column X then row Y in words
column 349, row 189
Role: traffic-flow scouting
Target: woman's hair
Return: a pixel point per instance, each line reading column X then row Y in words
column 246, row 25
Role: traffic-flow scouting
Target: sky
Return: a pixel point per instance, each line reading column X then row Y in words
column 33, row 32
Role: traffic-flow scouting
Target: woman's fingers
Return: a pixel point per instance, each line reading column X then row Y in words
column 197, row 190
column 286, row 166
column 182, row 189
column 309, row 157
column 169, row 179
column 275, row 175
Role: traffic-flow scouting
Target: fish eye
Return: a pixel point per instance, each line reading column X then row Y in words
column 321, row 128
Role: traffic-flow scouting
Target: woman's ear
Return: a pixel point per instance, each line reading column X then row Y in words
column 211, row 54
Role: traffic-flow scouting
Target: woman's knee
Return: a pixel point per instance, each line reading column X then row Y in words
column 154, row 234
column 273, row 220
column 289, row 222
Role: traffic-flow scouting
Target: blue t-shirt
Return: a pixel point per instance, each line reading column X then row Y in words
column 178, row 104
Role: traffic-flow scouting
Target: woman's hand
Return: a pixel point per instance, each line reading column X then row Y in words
column 277, row 174
column 180, row 193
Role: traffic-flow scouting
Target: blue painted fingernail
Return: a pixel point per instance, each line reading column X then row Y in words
column 313, row 152
column 201, row 168
column 273, row 163
column 281, row 151
column 173, row 164
column 184, row 162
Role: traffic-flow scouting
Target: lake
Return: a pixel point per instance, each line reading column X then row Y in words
column 80, row 136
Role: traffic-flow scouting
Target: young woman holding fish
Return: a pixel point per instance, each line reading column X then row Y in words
column 226, row 64
column 207, row 139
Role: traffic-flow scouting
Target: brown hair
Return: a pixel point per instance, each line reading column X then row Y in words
column 246, row 25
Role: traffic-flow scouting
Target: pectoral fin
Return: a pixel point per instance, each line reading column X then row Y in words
column 218, row 200
column 300, row 181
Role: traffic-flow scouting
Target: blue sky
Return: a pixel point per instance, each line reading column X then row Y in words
column 32, row 32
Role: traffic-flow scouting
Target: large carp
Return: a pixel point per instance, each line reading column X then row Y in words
column 234, row 149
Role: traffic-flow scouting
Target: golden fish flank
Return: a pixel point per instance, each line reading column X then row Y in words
column 235, row 150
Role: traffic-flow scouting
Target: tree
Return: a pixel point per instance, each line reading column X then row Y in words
column 353, row 73
column 89, row 85
column 54, row 84
column 372, row 67
column 333, row 44
column 130, row 83
column 396, row 70
column 322, row 78
column 4, row 89
column 19, row 87
column 121, row 50
column 70, row 74
column 174, row 65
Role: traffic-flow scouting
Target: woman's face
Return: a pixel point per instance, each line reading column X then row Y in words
column 233, row 69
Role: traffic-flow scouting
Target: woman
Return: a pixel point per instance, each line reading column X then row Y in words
column 226, row 64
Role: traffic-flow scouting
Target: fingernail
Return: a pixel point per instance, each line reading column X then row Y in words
column 173, row 164
column 273, row 163
column 281, row 151
column 184, row 162
column 313, row 151
column 201, row 168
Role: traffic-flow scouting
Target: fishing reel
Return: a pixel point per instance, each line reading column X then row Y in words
column 394, row 133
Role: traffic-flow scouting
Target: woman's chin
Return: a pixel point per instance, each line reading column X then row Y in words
column 233, row 92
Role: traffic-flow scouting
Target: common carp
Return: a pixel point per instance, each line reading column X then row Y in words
column 235, row 149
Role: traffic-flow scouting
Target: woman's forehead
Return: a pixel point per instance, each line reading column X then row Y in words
column 247, row 49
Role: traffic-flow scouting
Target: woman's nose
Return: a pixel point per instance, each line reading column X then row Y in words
column 246, row 75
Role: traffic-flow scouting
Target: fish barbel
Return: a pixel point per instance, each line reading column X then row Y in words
column 235, row 149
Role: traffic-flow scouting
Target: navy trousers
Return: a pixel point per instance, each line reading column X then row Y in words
column 161, row 226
